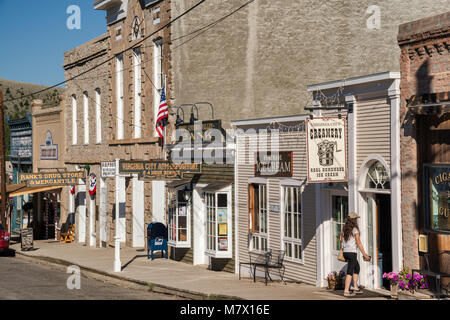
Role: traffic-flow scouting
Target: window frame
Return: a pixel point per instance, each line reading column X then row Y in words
column 257, row 235
column 74, row 120
column 177, row 243
column 98, row 115
column 120, row 97
column 293, row 241
column 216, row 253
column 86, row 117
column 335, row 251
column 137, row 68
column 426, row 197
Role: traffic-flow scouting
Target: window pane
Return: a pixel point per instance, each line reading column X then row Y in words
column 222, row 200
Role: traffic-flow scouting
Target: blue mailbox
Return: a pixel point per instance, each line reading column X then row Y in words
column 156, row 239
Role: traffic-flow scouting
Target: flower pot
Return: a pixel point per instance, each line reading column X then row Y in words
column 394, row 288
column 332, row 284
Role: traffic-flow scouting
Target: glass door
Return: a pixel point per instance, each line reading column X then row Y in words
column 372, row 240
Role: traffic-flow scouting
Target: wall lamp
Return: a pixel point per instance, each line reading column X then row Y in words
column 192, row 119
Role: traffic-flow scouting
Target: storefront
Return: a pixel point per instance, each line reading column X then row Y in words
column 275, row 208
column 425, row 143
column 370, row 106
column 200, row 214
column 21, row 159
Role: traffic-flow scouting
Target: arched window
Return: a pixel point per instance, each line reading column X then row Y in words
column 377, row 177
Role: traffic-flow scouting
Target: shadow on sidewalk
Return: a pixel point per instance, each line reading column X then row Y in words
column 134, row 258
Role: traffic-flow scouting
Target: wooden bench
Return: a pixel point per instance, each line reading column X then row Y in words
column 272, row 259
column 67, row 233
column 436, row 275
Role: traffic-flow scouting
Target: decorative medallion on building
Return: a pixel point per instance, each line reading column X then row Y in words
column 49, row 151
column 92, row 184
column 136, row 28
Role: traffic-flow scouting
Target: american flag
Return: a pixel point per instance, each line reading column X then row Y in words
column 163, row 116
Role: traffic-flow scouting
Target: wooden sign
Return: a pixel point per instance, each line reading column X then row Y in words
column 273, row 164
column 26, row 239
column 52, row 178
column 326, row 150
column 203, row 134
column 158, row 169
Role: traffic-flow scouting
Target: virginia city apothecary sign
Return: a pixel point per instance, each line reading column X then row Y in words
column 326, row 148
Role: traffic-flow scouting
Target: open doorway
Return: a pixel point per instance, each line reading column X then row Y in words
column 384, row 236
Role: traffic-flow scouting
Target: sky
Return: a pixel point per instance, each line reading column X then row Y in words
column 34, row 36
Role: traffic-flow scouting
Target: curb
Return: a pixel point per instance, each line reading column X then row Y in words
column 153, row 287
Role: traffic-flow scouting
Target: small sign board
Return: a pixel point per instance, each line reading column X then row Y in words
column 158, row 169
column 204, row 134
column 270, row 164
column 51, row 178
column 326, row 150
column 274, row 208
column 108, row 169
column 26, row 239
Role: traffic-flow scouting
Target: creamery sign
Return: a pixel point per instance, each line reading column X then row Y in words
column 326, row 147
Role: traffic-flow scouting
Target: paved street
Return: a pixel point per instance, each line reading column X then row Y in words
column 21, row 279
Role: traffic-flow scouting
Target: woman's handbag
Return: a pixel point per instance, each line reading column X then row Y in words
column 341, row 255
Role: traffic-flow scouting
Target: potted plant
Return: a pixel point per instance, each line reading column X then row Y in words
column 333, row 280
column 393, row 279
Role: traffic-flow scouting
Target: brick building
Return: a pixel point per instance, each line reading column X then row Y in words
column 425, row 139
column 111, row 112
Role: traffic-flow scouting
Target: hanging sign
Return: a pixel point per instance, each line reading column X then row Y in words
column 92, row 184
column 158, row 169
column 326, row 147
column 51, row 178
column 273, row 164
column 108, row 169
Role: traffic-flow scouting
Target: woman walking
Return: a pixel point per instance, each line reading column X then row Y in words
column 350, row 241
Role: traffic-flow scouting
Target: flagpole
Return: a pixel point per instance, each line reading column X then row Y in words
column 165, row 127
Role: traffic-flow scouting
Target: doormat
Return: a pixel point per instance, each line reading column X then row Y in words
column 366, row 294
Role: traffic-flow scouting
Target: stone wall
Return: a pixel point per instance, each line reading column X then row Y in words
column 258, row 62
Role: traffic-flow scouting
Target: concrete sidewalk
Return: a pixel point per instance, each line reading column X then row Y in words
column 168, row 276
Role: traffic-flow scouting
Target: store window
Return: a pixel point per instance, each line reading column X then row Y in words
column 258, row 217
column 339, row 214
column 218, row 224
column 377, row 177
column 292, row 223
column 437, row 197
column 179, row 219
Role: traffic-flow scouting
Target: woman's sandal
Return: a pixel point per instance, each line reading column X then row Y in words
column 358, row 291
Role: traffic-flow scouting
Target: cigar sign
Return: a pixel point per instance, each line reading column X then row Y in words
column 326, row 147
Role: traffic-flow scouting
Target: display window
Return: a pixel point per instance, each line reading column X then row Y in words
column 218, row 223
column 179, row 214
column 292, row 223
column 339, row 212
column 437, row 197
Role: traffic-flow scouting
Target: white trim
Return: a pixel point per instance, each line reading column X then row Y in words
column 86, row 117
column 98, row 114
column 355, row 81
column 352, row 153
column 138, row 223
column 187, row 243
column 236, row 208
column 249, row 122
column 257, row 180
column 396, row 218
column 74, row 120
column 119, row 97
column 291, row 182
column 137, row 92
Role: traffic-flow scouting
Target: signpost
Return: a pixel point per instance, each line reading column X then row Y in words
column 158, row 169
column 326, row 147
column 52, row 178
column 26, row 239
